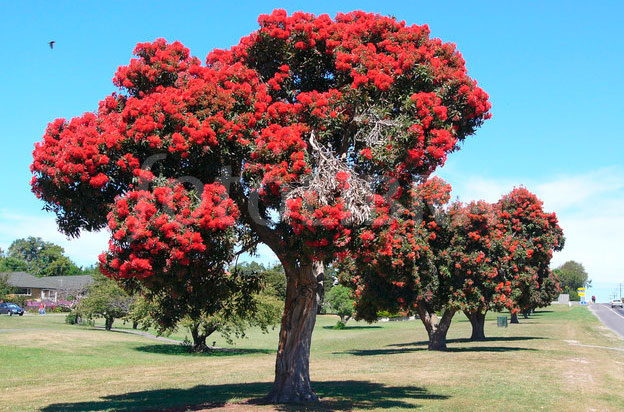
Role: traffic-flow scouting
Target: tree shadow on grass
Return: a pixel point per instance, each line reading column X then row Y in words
column 376, row 352
column 353, row 327
column 181, row 350
column 466, row 340
column 335, row 396
column 394, row 351
column 490, row 349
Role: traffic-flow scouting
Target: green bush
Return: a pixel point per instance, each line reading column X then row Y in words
column 339, row 325
column 19, row 300
column 71, row 319
column 76, row 319
column 386, row 314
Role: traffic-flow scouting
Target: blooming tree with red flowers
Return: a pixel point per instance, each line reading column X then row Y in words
column 476, row 253
column 531, row 236
column 403, row 261
column 428, row 259
column 309, row 123
column 170, row 232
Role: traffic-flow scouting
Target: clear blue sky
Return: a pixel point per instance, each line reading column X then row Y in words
column 554, row 73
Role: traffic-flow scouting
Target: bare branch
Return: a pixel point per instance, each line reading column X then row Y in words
column 356, row 194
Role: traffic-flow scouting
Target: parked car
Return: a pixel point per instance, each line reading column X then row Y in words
column 617, row 303
column 11, row 309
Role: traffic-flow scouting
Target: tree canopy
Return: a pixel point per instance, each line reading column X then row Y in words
column 292, row 138
column 436, row 259
column 37, row 257
column 5, row 288
column 340, row 302
column 104, row 299
column 572, row 275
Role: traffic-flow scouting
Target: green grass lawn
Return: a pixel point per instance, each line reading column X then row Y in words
column 539, row 365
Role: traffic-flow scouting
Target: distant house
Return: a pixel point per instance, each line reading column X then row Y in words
column 47, row 289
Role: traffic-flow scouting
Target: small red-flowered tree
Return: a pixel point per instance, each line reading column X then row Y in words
column 429, row 259
column 475, row 253
column 530, row 237
column 303, row 122
column 403, row 264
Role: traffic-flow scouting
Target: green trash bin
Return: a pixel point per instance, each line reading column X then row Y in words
column 502, row 321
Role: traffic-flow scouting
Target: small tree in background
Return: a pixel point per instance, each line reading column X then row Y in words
column 572, row 275
column 474, row 254
column 530, row 237
column 403, row 262
column 341, row 303
column 105, row 299
column 39, row 258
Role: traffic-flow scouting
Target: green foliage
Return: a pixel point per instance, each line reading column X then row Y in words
column 139, row 313
column 71, row 318
column 572, row 275
column 273, row 277
column 19, row 300
column 339, row 325
column 39, row 258
column 5, row 288
column 389, row 315
column 11, row 264
column 250, row 295
column 104, row 299
column 340, row 302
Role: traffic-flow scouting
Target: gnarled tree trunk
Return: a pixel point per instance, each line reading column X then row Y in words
column 514, row 318
column 292, row 367
column 525, row 314
column 477, row 320
column 108, row 322
column 436, row 327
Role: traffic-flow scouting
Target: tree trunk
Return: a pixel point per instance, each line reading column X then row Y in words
column 199, row 339
column 525, row 314
column 135, row 324
column 345, row 319
column 436, row 327
column 514, row 318
column 477, row 320
column 304, row 289
column 108, row 322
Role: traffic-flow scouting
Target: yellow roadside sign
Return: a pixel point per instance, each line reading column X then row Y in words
column 581, row 294
column 579, row 289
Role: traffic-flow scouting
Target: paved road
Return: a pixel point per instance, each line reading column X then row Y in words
column 613, row 318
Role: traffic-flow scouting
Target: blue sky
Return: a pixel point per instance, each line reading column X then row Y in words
column 554, row 73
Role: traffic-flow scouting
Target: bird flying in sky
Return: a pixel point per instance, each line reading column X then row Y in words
column 51, row 43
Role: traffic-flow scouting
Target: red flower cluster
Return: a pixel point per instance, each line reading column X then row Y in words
column 255, row 107
column 165, row 231
column 158, row 64
column 530, row 236
column 321, row 228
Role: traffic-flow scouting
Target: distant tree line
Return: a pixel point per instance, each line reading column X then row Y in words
column 39, row 258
